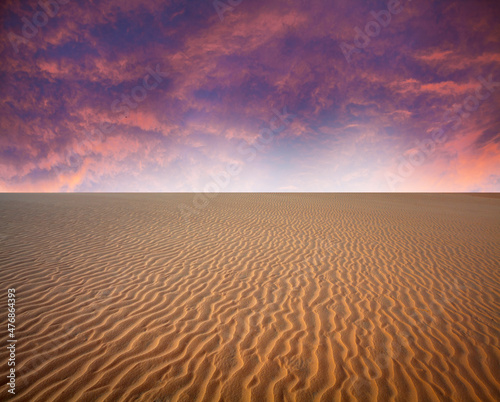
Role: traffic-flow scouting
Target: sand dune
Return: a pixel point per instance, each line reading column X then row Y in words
column 306, row 297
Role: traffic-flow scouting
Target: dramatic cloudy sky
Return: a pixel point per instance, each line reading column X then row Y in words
column 254, row 96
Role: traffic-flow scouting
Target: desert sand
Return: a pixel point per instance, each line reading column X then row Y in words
column 256, row 297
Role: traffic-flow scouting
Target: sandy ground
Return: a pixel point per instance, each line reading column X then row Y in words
column 256, row 297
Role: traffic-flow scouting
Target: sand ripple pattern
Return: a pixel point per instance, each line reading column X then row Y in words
column 258, row 297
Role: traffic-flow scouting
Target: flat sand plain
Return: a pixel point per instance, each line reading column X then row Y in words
column 256, row 297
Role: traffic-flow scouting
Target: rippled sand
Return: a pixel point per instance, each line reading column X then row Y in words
column 307, row 297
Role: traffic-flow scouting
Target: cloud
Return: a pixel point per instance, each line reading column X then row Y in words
column 225, row 78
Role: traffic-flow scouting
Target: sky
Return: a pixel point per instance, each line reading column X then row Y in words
column 250, row 96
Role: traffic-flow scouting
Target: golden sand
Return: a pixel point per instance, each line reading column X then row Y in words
column 257, row 297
